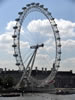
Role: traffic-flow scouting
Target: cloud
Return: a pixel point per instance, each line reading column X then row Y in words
column 66, row 28
column 6, row 49
column 10, row 25
column 41, row 26
column 9, row 64
column 68, row 64
column 68, row 43
column 67, row 32
column 68, row 48
column 43, row 61
column 24, row 44
column 6, row 37
column 6, row 40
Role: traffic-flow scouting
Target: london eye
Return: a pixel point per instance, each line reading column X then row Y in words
column 36, row 42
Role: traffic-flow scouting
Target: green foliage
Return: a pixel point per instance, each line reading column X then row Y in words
column 1, row 82
column 8, row 82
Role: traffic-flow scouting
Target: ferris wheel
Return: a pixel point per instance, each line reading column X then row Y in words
column 27, row 50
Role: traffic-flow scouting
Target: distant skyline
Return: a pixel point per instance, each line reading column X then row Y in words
column 64, row 13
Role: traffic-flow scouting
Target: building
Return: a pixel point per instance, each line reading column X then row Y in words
column 1, row 69
column 63, row 79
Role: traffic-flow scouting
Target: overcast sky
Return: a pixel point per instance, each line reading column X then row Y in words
column 64, row 13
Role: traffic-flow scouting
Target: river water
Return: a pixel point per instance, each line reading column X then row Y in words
column 41, row 96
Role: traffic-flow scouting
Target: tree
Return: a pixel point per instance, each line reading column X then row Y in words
column 8, row 82
column 1, row 82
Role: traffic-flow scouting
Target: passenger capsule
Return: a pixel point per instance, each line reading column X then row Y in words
column 59, row 59
column 37, row 4
column 58, row 38
column 14, row 45
column 17, row 64
column 24, row 8
column 41, row 6
column 59, row 52
column 49, row 14
column 15, row 55
column 59, row 45
column 52, row 18
column 28, row 5
column 15, row 27
column 58, row 66
column 20, row 13
column 56, row 31
column 32, row 3
column 55, row 25
column 46, row 9
column 17, row 19
column 14, row 36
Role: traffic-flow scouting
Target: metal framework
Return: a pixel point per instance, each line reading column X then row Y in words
column 16, row 45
